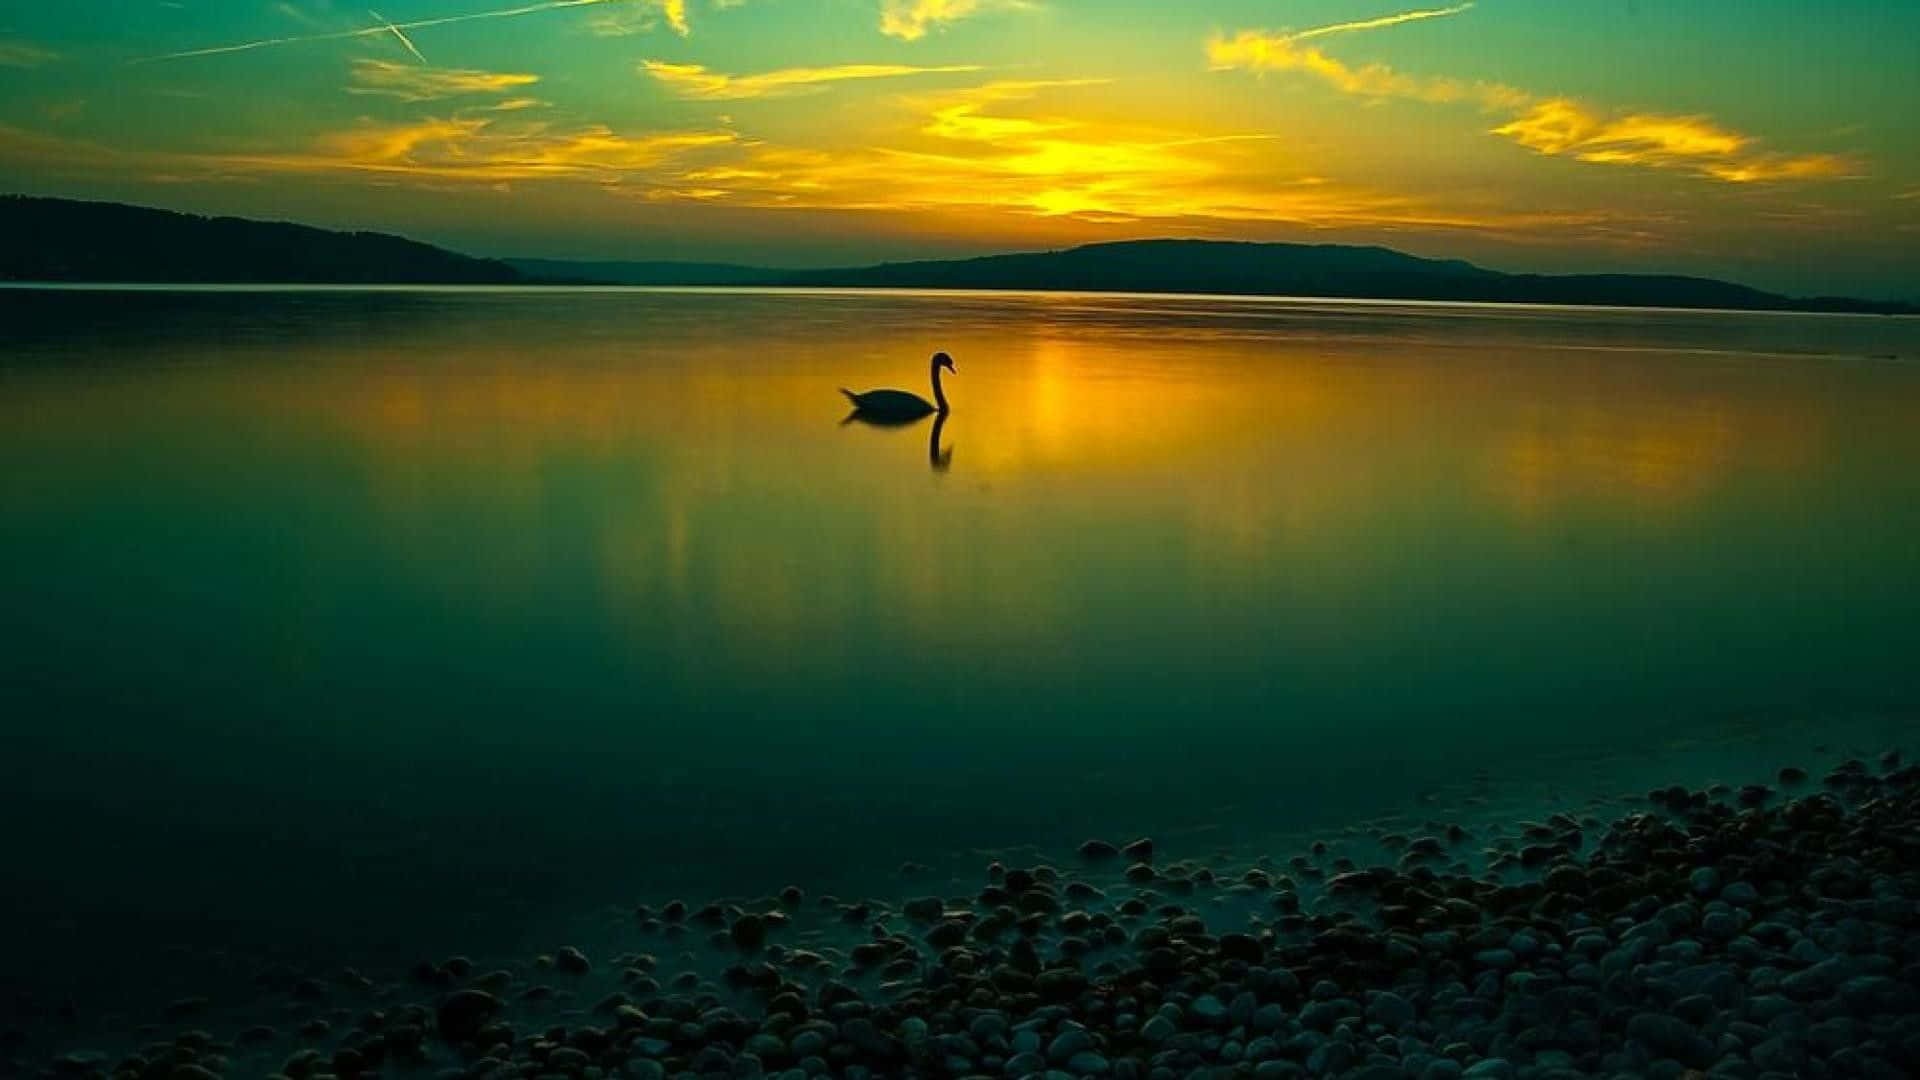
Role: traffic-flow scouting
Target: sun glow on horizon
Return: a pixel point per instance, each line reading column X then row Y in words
column 1005, row 121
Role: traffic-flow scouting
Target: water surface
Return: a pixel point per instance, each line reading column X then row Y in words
column 381, row 622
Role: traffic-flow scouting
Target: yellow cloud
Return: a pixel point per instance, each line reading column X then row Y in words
column 1552, row 126
column 909, row 20
column 696, row 82
column 482, row 149
column 957, row 115
column 409, row 82
column 980, row 152
column 675, row 12
column 1257, row 50
column 19, row 54
column 1558, row 126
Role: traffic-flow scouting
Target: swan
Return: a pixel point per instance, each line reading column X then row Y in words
column 899, row 404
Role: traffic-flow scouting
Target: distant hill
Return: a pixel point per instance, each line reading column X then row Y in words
column 1230, row 268
column 644, row 273
column 1331, row 270
column 67, row 240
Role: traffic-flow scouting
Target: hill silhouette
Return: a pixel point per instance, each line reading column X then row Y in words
column 69, row 240
column 1324, row 270
column 64, row 240
column 1229, row 268
column 614, row 272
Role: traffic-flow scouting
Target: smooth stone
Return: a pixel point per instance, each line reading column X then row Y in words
column 1390, row 1010
column 1670, row 1037
column 1704, row 882
column 464, row 1013
column 1209, row 1009
column 1088, row 1063
column 1329, row 1058
column 1022, row 1064
column 1068, row 1043
column 749, row 932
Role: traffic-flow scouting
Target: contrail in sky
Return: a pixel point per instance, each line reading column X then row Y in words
column 370, row 31
column 1379, row 23
column 399, row 33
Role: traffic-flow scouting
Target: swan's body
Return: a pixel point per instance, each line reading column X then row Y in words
column 900, row 404
column 891, row 403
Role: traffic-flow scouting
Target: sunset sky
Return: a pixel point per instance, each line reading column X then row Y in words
column 1769, row 141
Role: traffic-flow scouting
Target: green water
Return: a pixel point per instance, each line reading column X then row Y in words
column 376, row 622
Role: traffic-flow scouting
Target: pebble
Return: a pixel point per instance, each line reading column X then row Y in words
column 463, row 1013
column 1745, row 939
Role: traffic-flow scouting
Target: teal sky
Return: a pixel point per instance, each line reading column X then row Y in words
column 1767, row 141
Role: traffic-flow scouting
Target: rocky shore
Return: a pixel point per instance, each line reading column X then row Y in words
column 1762, row 932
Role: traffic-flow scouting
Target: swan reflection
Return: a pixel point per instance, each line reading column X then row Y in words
column 938, row 457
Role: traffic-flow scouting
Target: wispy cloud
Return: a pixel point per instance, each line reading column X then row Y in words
column 410, row 83
column 20, row 54
column 373, row 31
column 1266, row 50
column 961, row 114
column 696, row 82
column 485, row 149
column 1552, row 126
column 1559, row 126
column 909, row 20
column 630, row 17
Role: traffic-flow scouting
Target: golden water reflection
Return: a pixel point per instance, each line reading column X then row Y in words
column 693, row 468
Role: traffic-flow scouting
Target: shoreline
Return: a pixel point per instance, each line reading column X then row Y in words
column 1274, row 299
column 1668, row 939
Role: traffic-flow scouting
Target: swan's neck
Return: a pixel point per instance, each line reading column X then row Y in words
column 939, row 395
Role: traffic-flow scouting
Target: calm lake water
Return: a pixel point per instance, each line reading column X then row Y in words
column 384, row 622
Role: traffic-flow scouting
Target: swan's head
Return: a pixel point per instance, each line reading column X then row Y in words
column 942, row 360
